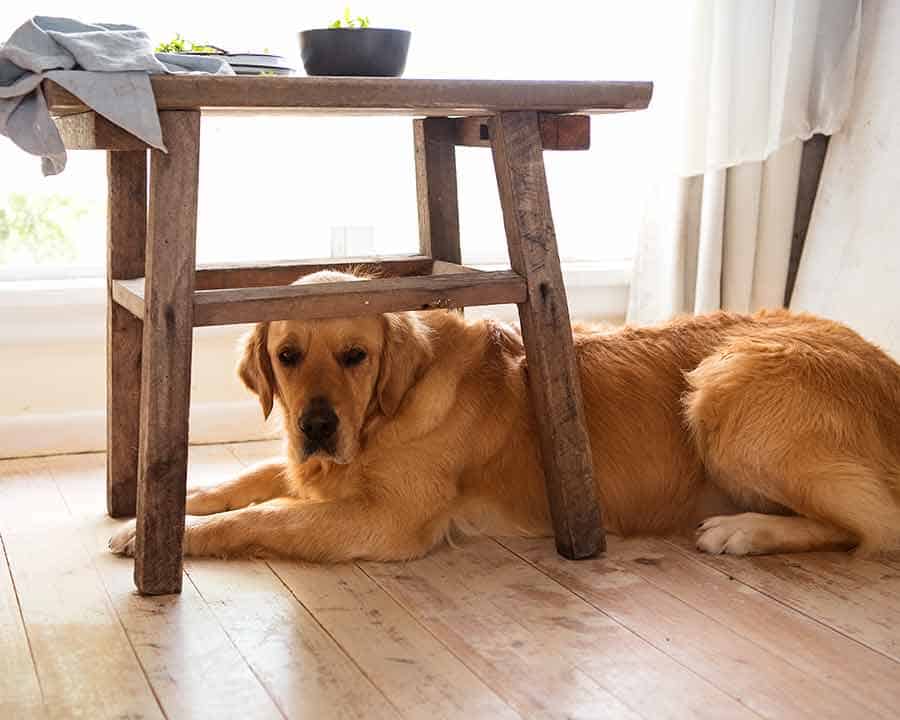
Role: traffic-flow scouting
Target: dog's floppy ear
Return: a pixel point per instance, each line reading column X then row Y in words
column 255, row 368
column 404, row 357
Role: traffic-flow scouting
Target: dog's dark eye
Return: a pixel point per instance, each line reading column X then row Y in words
column 288, row 357
column 352, row 357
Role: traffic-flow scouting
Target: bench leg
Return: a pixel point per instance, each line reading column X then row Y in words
column 126, row 237
column 436, row 188
column 552, row 367
column 166, row 366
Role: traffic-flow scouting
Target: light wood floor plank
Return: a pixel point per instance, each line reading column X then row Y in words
column 215, row 464
column 856, row 597
column 85, row 663
column 495, row 629
column 614, row 656
column 29, row 500
column 192, row 665
column 253, row 452
column 20, row 691
column 765, row 682
column 869, row 678
column 299, row 663
column 422, row 678
column 517, row 663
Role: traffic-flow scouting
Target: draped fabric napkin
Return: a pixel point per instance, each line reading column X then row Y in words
column 107, row 67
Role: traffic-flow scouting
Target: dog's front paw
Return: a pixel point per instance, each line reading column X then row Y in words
column 725, row 534
column 203, row 501
column 122, row 543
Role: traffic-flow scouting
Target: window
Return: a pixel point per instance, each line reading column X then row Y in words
column 276, row 187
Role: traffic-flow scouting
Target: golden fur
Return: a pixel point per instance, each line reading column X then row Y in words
column 776, row 432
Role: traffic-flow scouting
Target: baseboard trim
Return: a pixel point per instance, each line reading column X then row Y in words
column 56, row 434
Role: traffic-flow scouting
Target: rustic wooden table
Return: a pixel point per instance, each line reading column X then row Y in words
column 157, row 294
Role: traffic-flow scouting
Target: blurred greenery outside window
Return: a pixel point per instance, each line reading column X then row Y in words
column 51, row 227
column 39, row 228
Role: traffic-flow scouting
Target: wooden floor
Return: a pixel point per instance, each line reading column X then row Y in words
column 495, row 629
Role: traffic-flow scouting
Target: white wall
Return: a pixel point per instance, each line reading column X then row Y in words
column 53, row 395
column 850, row 269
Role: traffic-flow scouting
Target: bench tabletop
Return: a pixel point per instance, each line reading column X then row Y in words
column 375, row 96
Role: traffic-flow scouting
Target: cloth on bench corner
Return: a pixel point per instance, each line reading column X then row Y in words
column 107, row 67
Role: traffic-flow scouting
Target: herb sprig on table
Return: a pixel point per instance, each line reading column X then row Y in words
column 179, row 45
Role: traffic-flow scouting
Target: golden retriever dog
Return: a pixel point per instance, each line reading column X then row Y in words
column 775, row 432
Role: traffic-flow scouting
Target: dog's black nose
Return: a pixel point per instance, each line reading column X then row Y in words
column 318, row 422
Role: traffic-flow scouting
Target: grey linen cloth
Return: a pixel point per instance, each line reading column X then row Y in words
column 106, row 66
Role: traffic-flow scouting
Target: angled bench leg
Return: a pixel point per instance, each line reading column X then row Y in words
column 435, row 148
column 126, row 237
column 552, row 368
column 166, row 366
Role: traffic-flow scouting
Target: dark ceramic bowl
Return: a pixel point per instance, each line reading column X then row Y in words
column 367, row 52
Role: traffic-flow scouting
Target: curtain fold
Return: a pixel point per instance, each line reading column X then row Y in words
column 758, row 77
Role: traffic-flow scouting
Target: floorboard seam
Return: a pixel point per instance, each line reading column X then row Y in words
column 215, row 617
column 12, row 579
column 399, row 603
column 243, row 657
column 530, row 631
column 632, row 630
column 335, row 641
column 109, row 601
column 703, row 612
column 783, row 603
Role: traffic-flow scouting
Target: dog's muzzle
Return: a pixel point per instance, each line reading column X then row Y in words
column 319, row 424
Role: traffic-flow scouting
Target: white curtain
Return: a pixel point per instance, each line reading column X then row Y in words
column 755, row 79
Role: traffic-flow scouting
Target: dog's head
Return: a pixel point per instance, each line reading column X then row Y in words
column 331, row 377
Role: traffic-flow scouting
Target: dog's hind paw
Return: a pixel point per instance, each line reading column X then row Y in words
column 122, row 543
column 725, row 534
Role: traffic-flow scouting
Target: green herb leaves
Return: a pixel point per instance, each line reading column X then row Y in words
column 349, row 22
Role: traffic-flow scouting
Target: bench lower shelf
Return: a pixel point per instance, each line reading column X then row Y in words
column 450, row 286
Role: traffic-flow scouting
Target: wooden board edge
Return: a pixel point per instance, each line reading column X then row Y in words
column 130, row 295
column 558, row 132
column 90, row 131
column 284, row 272
column 364, row 297
column 373, row 96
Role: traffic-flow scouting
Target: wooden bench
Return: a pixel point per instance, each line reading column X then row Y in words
column 157, row 295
